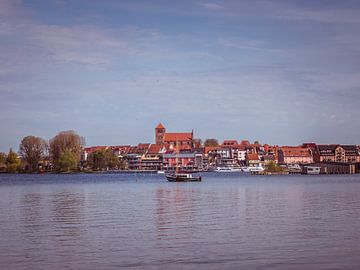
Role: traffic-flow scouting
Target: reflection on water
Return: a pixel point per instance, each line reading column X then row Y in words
column 225, row 222
column 175, row 212
column 66, row 213
column 31, row 208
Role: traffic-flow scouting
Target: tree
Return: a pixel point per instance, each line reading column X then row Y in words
column 96, row 160
column 65, row 141
column 32, row 150
column 103, row 159
column 68, row 161
column 273, row 167
column 256, row 142
column 112, row 161
column 12, row 162
column 211, row 142
column 2, row 161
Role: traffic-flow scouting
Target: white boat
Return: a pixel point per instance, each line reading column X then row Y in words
column 160, row 172
column 228, row 169
column 253, row 169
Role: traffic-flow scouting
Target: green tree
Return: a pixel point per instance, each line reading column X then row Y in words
column 32, row 150
column 103, row 159
column 12, row 162
column 68, row 161
column 96, row 160
column 273, row 167
column 211, row 142
column 256, row 142
column 65, row 141
column 112, row 161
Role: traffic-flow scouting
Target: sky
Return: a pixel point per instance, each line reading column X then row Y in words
column 280, row 72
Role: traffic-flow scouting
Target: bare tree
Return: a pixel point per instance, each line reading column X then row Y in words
column 65, row 142
column 211, row 142
column 32, row 150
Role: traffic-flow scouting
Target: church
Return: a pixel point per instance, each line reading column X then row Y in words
column 181, row 140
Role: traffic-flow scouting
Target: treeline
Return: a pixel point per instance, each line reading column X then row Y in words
column 62, row 153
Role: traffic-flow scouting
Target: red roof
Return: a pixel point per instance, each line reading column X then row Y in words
column 296, row 151
column 160, row 126
column 91, row 149
column 230, row 142
column 252, row 156
column 245, row 142
column 211, row 148
column 122, row 149
column 174, row 137
column 154, row 149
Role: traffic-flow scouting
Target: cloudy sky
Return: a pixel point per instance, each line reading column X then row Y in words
column 281, row 72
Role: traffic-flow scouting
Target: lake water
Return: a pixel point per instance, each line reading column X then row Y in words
column 228, row 221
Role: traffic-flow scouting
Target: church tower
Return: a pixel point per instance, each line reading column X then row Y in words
column 159, row 134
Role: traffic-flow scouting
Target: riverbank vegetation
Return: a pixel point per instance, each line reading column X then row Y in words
column 62, row 153
column 272, row 167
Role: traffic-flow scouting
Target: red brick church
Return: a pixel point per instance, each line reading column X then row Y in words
column 180, row 139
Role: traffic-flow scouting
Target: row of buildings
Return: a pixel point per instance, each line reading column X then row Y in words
column 182, row 150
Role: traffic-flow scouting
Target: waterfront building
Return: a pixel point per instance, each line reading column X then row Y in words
column 253, row 160
column 182, row 161
column 294, row 155
column 120, row 151
column 331, row 168
column 337, row 153
column 211, row 155
column 153, row 158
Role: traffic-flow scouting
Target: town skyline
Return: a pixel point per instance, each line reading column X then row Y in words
column 150, row 138
column 278, row 72
column 154, row 140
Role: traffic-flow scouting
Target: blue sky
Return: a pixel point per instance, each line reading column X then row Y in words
column 281, row 72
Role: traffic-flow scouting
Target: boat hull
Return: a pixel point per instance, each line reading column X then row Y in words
column 174, row 178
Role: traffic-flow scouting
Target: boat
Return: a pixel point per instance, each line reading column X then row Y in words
column 253, row 169
column 228, row 169
column 182, row 177
column 160, row 172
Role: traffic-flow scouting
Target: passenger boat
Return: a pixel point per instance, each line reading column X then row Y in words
column 228, row 169
column 253, row 169
column 182, row 177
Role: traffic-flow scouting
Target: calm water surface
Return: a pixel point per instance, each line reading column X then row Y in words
column 112, row 221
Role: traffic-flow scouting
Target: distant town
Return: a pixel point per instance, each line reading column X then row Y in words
column 172, row 151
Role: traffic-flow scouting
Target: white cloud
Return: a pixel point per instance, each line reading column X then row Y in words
column 212, row 6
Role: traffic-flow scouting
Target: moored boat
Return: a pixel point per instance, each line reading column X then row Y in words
column 228, row 169
column 182, row 177
column 253, row 169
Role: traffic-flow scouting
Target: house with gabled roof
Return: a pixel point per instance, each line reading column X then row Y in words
column 294, row 155
column 337, row 153
column 253, row 160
